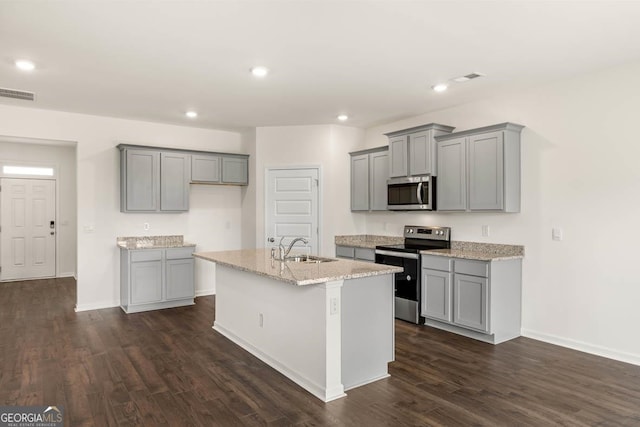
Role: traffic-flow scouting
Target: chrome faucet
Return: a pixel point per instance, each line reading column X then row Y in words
column 284, row 253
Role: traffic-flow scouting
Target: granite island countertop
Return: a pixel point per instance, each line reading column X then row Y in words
column 259, row 261
column 459, row 249
column 152, row 242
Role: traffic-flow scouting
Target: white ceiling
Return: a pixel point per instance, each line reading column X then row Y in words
column 374, row 60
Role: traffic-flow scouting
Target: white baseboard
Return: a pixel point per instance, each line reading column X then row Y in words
column 205, row 292
column 583, row 346
column 61, row 275
column 97, row 305
column 326, row 395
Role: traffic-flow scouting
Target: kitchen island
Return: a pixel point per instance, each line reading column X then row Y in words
column 328, row 326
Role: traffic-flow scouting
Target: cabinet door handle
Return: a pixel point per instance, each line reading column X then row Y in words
column 271, row 240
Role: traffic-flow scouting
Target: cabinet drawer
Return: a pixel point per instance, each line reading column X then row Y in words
column 436, row 262
column 365, row 254
column 146, row 255
column 180, row 253
column 344, row 251
column 472, row 268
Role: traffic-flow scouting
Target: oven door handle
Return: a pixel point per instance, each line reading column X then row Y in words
column 397, row 254
column 419, row 193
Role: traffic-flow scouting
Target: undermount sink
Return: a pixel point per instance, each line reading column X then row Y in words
column 309, row 259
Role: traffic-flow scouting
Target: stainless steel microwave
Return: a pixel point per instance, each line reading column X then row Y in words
column 412, row 193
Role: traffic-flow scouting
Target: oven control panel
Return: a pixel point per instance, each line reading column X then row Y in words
column 427, row 233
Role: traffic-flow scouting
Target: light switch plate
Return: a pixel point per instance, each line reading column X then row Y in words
column 556, row 233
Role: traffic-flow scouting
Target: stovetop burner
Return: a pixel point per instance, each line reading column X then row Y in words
column 418, row 239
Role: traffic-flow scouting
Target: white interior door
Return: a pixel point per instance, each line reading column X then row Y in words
column 292, row 206
column 27, row 233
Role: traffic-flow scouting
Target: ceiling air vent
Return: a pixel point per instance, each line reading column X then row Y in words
column 467, row 77
column 17, row 94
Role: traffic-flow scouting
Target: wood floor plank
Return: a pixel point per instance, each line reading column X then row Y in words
column 170, row 368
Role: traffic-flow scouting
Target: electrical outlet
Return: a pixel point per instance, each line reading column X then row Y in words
column 146, row 226
column 485, row 231
column 333, row 306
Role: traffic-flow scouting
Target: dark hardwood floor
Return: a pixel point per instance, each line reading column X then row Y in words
column 169, row 367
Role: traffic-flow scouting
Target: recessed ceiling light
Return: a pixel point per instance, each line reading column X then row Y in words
column 191, row 114
column 259, row 71
column 25, row 65
column 440, row 87
column 343, row 117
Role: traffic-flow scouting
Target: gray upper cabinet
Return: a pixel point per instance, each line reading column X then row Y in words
column 205, row 168
column 378, row 175
column 369, row 174
column 235, row 170
column 421, row 154
column 175, row 174
column 452, row 177
column 360, row 182
column 140, row 180
column 154, row 181
column 398, row 156
column 486, row 171
column 479, row 169
column 413, row 151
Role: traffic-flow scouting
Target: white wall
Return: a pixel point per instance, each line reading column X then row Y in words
column 63, row 158
column 213, row 222
column 324, row 145
column 580, row 172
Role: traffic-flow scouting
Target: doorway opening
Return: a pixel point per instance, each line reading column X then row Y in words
column 292, row 206
column 38, row 209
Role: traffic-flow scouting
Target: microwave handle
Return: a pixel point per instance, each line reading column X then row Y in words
column 419, row 193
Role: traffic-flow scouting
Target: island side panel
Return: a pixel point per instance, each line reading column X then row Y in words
column 287, row 326
column 367, row 329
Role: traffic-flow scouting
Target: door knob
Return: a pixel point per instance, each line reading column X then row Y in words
column 271, row 240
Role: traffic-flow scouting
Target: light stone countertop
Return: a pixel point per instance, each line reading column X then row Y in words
column 367, row 241
column 479, row 251
column 459, row 249
column 259, row 261
column 152, row 242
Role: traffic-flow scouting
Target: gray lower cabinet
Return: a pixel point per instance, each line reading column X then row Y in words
column 152, row 279
column 154, row 181
column 479, row 169
column 355, row 253
column 413, row 151
column 436, row 295
column 478, row 299
column 369, row 174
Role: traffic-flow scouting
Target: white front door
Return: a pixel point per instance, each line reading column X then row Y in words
column 292, row 208
column 27, row 233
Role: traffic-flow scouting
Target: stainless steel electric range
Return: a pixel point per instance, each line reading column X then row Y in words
column 407, row 255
